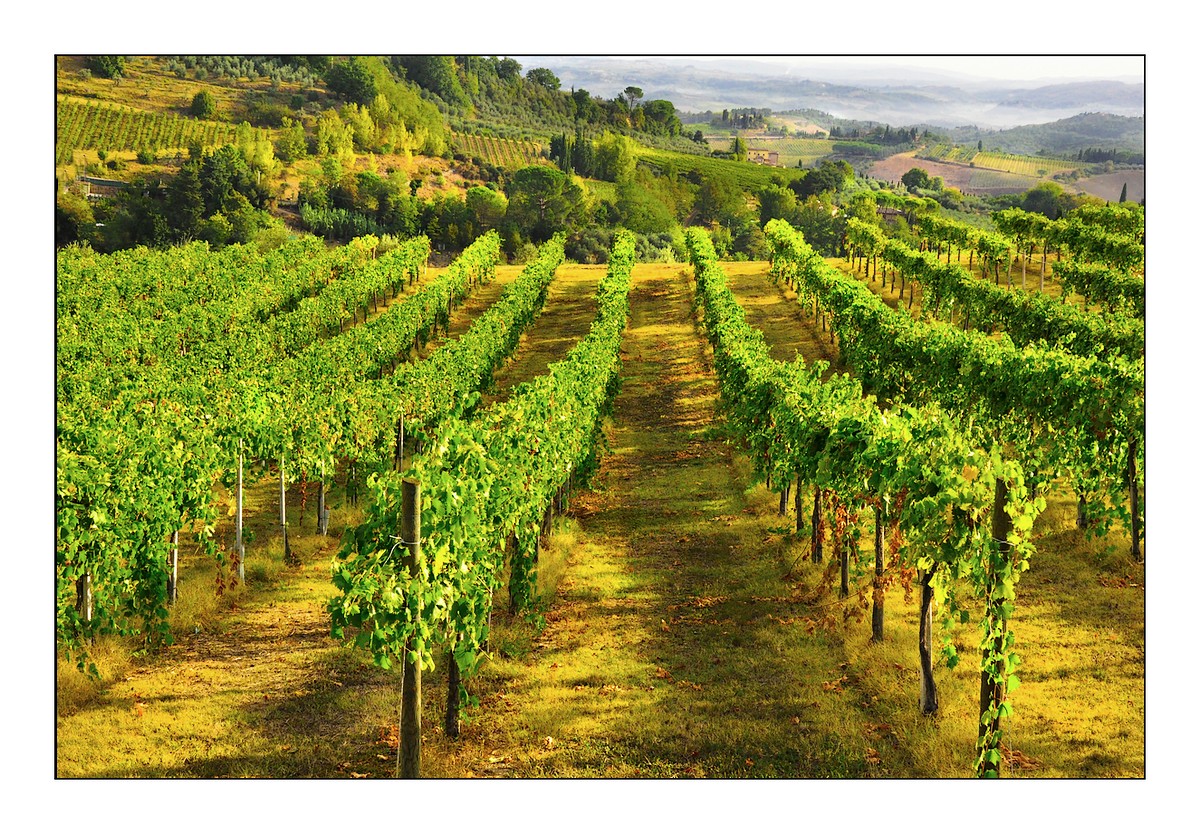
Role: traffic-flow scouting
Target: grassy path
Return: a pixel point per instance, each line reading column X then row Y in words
column 665, row 651
column 565, row 319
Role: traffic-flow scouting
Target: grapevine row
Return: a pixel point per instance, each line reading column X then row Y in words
column 487, row 486
column 962, row 509
column 1026, row 317
column 1084, row 415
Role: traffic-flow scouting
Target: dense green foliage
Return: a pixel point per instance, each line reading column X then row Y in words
column 1065, row 413
column 933, row 479
column 484, row 482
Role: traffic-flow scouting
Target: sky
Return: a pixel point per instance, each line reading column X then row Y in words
column 1000, row 67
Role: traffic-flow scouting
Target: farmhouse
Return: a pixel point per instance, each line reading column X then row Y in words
column 94, row 188
column 762, row 156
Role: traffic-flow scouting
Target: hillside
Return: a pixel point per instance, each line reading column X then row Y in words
column 1063, row 137
column 225, row 148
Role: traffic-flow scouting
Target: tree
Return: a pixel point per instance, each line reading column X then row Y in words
column 661, row 119
column 542, row 201
column 351, row 80
column 561, row 151
column 583, row 155
column 585, row 108
column 776, row 201
column 1045, row 198
column 73, row 219
column 543, row 77
column 291, row 144
column 1124, row 192
column 632, row 95
column 822, row 231
column 486, row 207
column 916, row 178
column 825, row 178
column 106, row 66
column 436, row 73
column 720, row 200
column 614, row 157
column 738, row 148
column 640, row 209
column 185, row 201
column 508, row 69
column 333, row 137
column 204, row 105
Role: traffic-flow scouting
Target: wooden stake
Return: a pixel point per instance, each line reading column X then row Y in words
column 991, row 691
column 239, row 543
column 410, row 707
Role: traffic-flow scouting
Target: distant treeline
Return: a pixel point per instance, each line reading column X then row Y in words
column 1111, row 155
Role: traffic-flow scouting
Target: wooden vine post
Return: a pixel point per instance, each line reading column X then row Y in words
column 173, row 578
column 929, row 698
column 322, row 508
column 799, row 506
column 239, row 543
column 410, row 706
column 991, row 675
column 287, row 551
column 818, row 528
column 877, row 583
column 1135, row 517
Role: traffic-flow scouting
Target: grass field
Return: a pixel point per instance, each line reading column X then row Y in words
column 678, row 638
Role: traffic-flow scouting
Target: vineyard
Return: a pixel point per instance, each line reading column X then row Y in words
column 503, row 153
column 83, row 125
column 793, row 150
column 1026, row 166
column 713, row 519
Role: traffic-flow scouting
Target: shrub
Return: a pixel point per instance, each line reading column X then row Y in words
column 203, row 105
column 106, row 66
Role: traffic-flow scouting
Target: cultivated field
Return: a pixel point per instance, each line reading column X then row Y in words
column 1109, row 186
